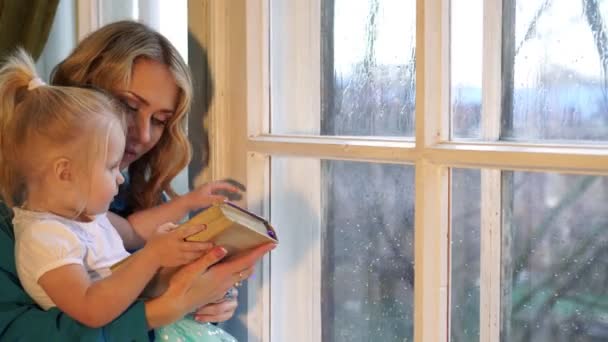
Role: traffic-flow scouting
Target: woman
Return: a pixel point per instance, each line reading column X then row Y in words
column 146, row 73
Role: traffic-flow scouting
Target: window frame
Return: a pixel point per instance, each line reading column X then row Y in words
column 431, row 153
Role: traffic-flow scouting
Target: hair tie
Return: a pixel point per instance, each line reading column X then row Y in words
column 35, row 83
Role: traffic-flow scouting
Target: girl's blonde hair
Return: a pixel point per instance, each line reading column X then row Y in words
column 105, row 59
column 39, row 123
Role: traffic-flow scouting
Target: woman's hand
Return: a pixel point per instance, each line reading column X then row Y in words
column 213, row 192
column 145, row 222
column 200, row 283
column 220, row 311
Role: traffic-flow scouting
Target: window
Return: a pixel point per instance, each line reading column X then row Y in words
column 435, row 169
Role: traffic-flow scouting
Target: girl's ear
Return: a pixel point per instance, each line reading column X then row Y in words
column 62, row 169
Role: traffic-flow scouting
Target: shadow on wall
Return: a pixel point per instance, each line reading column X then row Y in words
column 202, row 82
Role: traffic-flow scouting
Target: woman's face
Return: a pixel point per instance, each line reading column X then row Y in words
column 151, row 100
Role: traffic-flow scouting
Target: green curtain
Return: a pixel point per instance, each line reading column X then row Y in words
column 25, row 23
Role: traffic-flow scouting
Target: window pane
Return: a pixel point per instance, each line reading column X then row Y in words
column 369, row 252
column 554, row 63
column 465, row 252
column 555, row 266
column 466, row 52
column 357, row 78
column 366, row 220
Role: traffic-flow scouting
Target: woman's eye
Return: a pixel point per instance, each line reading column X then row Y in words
column 129, row 107
column 158, row 122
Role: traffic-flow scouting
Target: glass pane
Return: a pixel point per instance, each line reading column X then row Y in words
column 356, row 79
column 554, row 261
column 466, row 54
column 555, row 61
column 365, row 216
column 465, row 251
column 369, row 252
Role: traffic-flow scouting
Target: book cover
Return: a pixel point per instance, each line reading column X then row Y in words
column 232, row 227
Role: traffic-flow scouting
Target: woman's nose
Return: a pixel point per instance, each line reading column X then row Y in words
column 143, row 132
column 139, row 129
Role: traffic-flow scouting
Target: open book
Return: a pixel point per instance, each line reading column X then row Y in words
column 230, row 226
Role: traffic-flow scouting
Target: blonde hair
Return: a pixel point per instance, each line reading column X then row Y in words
column 39, row 123
column 105, row 59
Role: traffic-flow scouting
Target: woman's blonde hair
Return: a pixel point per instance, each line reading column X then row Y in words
column 105, row 59
column 39, row 122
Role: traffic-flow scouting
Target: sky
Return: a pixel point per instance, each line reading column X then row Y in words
column 563, row 37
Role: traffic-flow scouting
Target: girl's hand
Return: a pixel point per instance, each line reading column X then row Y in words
column 214, row 192
column 171, row 249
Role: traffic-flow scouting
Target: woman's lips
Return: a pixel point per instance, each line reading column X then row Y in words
column 130, row 153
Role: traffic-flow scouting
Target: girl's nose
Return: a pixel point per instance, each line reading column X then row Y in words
column 120, row 179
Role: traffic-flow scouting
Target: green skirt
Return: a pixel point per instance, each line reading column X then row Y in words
column 189, row 330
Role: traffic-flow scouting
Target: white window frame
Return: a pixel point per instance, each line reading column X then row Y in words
column 431, row 153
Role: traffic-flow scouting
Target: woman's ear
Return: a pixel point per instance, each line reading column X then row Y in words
column 62, row 170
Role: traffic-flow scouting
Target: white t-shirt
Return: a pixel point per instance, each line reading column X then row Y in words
column 44, row 241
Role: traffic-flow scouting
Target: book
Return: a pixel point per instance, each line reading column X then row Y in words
column 230, row 226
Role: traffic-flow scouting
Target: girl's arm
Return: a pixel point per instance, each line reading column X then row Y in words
column 96, row 304
column 22, row 320
column 145, row 222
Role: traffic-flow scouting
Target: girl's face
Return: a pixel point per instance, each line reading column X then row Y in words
column 106, row 174
column 151, row 99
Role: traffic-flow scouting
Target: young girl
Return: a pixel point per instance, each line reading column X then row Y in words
column 60, row 150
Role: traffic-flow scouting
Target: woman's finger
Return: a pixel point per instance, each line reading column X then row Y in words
column 246, row 259
column 235, row 183
column 187, row 274
column 188, row 257
column 230, row 195
column 223, row 186
column 217, row 198
column 217, row 308
column 245, row 274
column 219, row 312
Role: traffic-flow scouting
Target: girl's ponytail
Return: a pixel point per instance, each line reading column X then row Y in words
column 16, row 74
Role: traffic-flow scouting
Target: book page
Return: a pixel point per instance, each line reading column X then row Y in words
column 245, row 220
